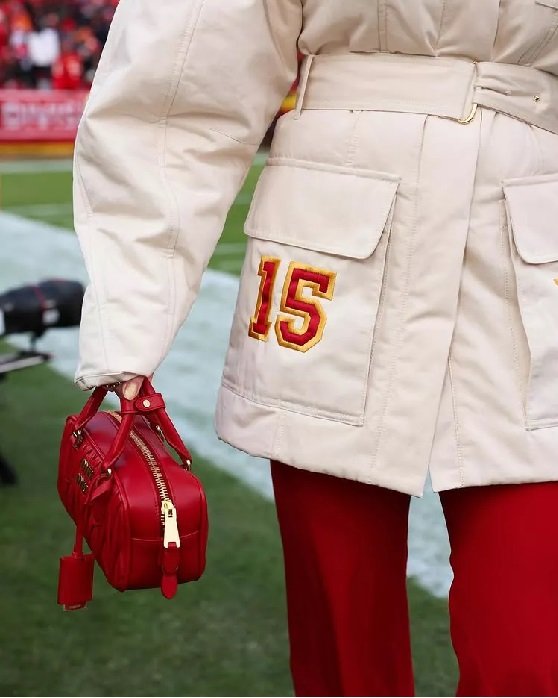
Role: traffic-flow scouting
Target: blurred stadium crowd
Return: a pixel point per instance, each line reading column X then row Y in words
column 52, row 44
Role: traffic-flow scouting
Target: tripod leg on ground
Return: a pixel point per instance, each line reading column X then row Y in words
column 7, row 473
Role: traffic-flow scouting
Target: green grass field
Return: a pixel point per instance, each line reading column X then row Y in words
column 224, row 635
column 48, row 197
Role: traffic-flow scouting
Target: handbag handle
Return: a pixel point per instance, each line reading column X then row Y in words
column 148, row 403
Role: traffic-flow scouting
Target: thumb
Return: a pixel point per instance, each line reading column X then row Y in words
column 130, row 389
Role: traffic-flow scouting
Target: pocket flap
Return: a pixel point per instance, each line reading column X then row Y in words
column 532, row 205
column 326, row 208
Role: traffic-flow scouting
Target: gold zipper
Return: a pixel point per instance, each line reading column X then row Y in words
column 169, row 522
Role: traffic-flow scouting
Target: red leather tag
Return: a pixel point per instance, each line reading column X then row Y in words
column 75, row 581
column 169, row 580
column 169, row 585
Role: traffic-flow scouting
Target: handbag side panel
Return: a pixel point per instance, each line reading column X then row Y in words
column 189, row 500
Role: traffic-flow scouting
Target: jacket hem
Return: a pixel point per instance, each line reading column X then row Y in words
column 303, row 442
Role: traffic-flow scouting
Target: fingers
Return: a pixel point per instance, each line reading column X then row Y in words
column 129, row 389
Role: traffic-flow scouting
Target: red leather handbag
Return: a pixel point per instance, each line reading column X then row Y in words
column 143, row 515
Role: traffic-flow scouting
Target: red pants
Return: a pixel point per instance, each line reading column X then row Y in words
column 345, row 548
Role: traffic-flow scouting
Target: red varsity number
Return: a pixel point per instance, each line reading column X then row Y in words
column 260, row 324
column 296, row 305
column 293, row 301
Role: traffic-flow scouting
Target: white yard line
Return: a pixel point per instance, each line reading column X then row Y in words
column 32, row 166
column 63, row 208
column 261, row 157
column 196, row 360
column 243, row 199
column 230, row 266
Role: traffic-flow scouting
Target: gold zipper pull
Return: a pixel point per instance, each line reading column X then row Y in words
column 171, row 534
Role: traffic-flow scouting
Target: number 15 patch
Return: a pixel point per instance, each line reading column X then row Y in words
column 295, row 304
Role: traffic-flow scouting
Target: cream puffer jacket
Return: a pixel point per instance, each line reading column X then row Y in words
column 398, row 306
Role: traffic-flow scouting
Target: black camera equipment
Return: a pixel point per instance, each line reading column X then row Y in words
column 33, row 310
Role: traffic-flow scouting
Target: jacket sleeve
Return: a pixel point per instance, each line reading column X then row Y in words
column 183, row 95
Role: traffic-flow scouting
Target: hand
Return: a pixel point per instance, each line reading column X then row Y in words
column 130, row 389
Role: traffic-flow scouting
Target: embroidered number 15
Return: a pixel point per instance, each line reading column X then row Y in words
column 294, row 302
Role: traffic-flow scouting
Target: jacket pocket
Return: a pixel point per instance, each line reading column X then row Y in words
column 532, row 206
column 310, row 288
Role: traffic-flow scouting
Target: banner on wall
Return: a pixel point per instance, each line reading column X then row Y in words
column 40, row 115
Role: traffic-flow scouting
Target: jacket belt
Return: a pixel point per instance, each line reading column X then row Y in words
column 445, row 87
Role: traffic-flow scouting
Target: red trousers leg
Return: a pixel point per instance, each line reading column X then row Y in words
column 504, row 597
column 345, row 549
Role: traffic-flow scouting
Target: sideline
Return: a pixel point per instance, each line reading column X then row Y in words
column 197, row 358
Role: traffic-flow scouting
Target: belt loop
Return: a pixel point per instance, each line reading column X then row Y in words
column 303, row 83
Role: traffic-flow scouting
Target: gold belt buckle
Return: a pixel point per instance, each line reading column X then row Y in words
column 471, row 116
